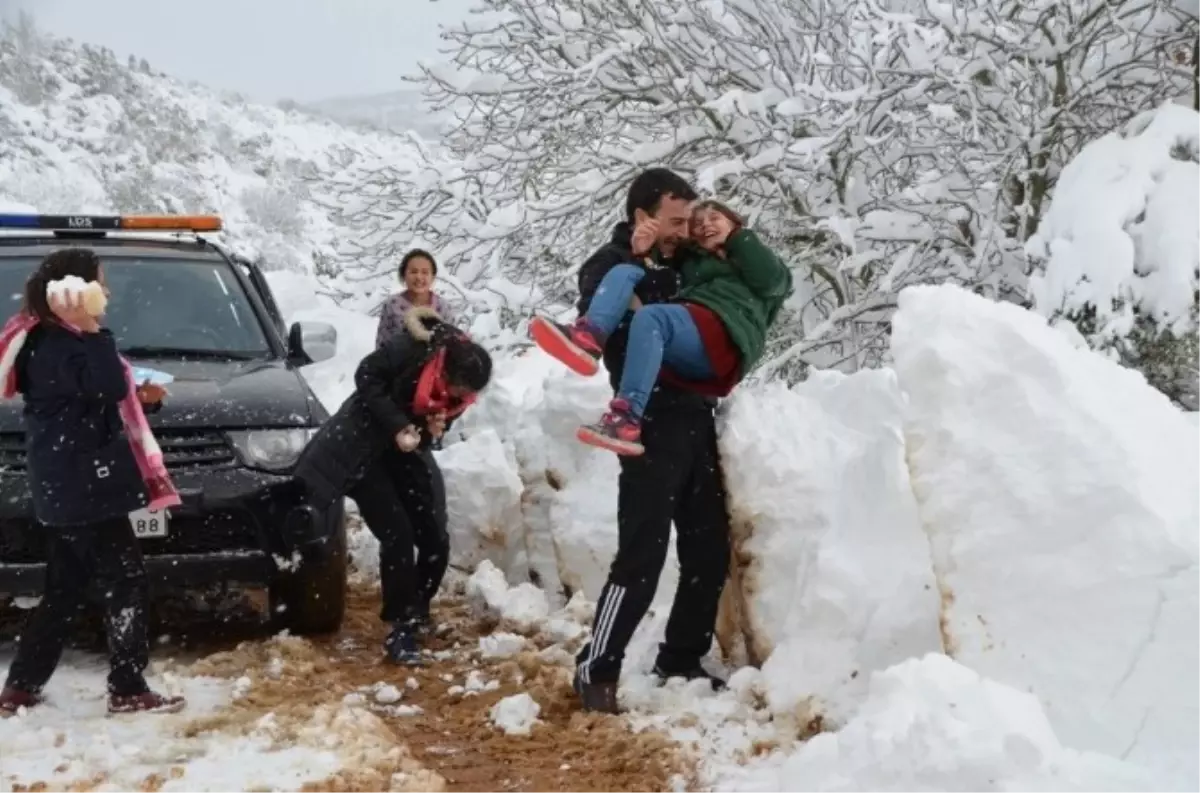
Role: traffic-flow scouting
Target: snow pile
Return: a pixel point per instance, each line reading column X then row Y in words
column 524, row 605
column 1125, row 225
column 515, row 715
column 566, row 535
column 1060, row 496
column 933, row 724
column 483, row 502
column 836, row 579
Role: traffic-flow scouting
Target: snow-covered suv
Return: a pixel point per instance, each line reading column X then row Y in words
column 237, row 416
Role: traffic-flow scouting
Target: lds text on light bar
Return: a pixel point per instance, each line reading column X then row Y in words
column 111, row 222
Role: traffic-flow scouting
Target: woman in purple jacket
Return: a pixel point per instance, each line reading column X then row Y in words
column 417, row 272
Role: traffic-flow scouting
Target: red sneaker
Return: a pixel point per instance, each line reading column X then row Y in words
column 13, row 699
column 618, row 430
column 149, row 702
column 577, row 346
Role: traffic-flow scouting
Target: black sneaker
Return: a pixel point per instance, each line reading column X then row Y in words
column 697, row 672
column 402, row 647
column 597, row 697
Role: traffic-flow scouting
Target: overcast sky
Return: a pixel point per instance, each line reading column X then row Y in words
column 267, row 49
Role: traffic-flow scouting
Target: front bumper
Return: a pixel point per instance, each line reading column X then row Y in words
column 235, row 526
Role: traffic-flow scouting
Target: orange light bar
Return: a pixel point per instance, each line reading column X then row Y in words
column 170, row 223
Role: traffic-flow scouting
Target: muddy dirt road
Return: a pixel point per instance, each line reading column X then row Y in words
column 414, row 729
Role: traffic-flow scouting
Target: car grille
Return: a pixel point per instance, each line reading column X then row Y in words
column 182, row 450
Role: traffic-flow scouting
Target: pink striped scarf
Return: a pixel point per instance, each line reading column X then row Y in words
column 146, row 451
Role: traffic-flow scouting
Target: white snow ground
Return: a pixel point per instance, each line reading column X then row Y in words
column 1000, row 494
column 71, row 738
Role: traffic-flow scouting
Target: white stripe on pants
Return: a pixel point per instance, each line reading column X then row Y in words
column 610, row 604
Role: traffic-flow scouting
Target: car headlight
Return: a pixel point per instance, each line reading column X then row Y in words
column 271, row 450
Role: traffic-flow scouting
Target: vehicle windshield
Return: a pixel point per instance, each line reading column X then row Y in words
column 167, row 307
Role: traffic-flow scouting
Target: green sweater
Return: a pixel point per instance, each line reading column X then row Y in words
column 746, row 290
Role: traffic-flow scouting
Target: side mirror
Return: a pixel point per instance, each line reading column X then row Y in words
column 311, row 342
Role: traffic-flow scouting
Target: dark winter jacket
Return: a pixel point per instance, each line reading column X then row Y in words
column 81, row 467
column 660, row 285
column 367, row 423
column 746, row 290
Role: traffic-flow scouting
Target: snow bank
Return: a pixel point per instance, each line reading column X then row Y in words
column 566, row 532
column 1059, row 493
column 933, row 724
column 836, row 579
column 483, row 502
column 1124, row 223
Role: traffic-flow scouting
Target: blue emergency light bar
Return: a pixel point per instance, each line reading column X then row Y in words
column 111, row 222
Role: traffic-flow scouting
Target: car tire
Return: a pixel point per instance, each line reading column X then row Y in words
column 312, row 600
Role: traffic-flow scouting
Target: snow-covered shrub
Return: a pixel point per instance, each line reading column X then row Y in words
column 1120, row 247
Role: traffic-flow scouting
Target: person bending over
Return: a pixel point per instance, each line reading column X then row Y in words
column 407, row 392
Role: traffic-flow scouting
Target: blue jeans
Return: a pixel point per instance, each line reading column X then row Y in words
column 659, row 334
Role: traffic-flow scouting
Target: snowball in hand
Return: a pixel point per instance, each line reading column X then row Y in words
column 91, row 292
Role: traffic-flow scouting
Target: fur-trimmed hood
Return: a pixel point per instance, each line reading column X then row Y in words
column 420, row 322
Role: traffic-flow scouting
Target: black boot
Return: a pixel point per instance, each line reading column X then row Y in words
column 597, row 697
column 402, row 646
column 696, row 672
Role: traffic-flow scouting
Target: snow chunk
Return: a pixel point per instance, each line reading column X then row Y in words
column 838, row 582
column 501, row 645
column 387, row 694
column 524, row 605
column 516, row 715
column 1060, row 495
column 483, row 500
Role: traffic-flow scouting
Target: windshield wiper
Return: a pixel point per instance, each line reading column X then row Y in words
column 184, row 352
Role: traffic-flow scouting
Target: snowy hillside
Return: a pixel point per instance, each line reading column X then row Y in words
column 83, row 132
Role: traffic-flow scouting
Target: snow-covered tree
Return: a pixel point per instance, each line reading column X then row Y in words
column 876, row 143
column 1120, row 246
column 22, row 46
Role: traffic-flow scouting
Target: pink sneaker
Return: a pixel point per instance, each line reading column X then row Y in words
column 150, row 702
column 577, row 345
column 618, row 430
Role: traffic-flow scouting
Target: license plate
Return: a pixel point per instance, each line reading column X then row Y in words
column 147, row 524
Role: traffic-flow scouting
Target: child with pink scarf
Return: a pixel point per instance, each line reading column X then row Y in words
column 91, row 461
